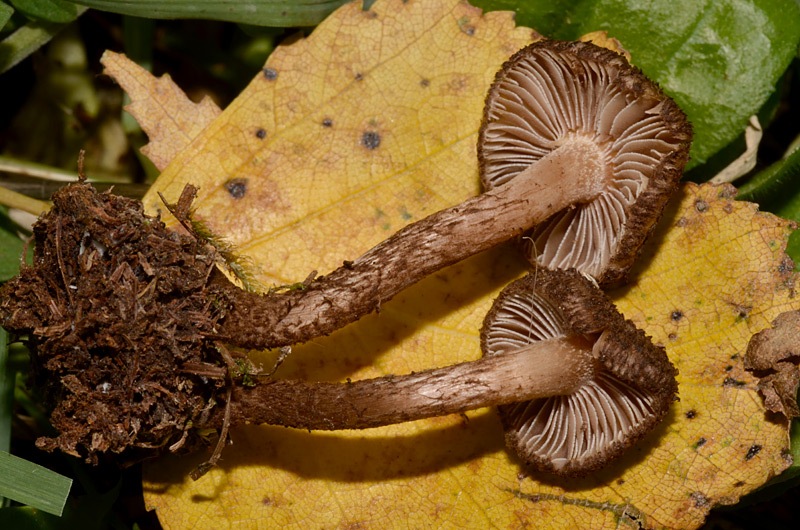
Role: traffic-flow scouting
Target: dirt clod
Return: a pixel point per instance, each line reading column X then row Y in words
column 118, row 311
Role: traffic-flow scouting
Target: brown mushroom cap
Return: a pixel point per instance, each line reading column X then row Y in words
column 551, row 94
column 633, row 388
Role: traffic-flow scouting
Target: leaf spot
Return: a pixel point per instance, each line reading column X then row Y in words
column 742, row 311
column 676, row 315
column 425, row 83
column 327, row 122
column 730, row 381
column 261, row 134
column 700, row 205
column 371, row 140
column 270, row 74
column 466, row 27
column 753, row 451
column 699, row 499
column 700, row 443
column 690, row 415
column 236, row 187
column 786, row 266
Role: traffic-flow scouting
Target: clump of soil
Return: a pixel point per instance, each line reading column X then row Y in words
column 119, row 311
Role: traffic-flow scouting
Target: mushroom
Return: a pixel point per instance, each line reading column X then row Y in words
column 577, row 383
column 575, row 142
column 631, row 389
column 619, row 144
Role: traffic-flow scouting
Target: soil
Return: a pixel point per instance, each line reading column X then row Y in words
column 118, row 311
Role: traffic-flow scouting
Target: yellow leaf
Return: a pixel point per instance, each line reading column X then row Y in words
column 365, row 126
column 714, row 274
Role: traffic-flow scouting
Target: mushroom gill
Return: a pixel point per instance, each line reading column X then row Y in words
column 551, row 94
column 631, row 390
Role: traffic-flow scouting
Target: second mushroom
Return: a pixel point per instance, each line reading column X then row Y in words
column 577, row 383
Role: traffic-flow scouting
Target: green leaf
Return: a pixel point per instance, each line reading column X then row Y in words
column 793, row 250
column 7, row 384
column 32, row 484
column 276, row 13
column 551, row 18
column 5, row 13
column 11, row 248
column 57, row 11
column 27, row 40
column 775, row 188
column 719, row 59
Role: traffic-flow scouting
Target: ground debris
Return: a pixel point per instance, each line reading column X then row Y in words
column 117, row 310
column 774, row 356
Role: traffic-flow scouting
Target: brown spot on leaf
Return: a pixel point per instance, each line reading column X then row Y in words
column 676, row 315
column 327, row 122
column 465, row 26
column 742, row 310
column 425, row 83
column 727, row 191
column 371, row 140
column 735, row 383
column 261, row 134
column 699, row 500
column 700, row 205
column 237, row 187
column 270, row 74
column 752, row 452
column 690, row 415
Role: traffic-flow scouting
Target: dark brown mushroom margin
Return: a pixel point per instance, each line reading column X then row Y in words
column 127, row 319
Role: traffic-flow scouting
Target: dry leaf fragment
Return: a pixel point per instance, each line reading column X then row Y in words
column 774, row 355
column 170, row 119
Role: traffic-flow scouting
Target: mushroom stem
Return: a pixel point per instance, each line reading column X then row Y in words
column 568, row 175
column 542, row 369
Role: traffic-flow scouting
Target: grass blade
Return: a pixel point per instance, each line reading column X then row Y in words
column 32, row 484
column 275, row 13
column 27, row 40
